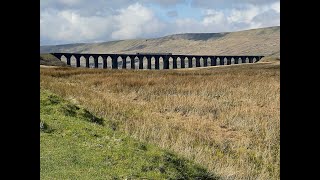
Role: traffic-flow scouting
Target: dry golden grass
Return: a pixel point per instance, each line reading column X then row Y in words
column 226, row 119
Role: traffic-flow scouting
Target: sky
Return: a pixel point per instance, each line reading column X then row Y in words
column 88, row 21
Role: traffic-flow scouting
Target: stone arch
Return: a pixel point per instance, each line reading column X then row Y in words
column 170, row 60
column 153, row 62
column 193, row 62
column 91, row 61
column 144, row 62
column 126, row 62
column 246, row 60
column 232, row 60
column 238, row 60
column 161, row 62
column 178, row 59
column 209, row 59
column 109, row 62
column 202, row 61
column 63, row 58
column 218, row 61
column 118, row 63
column 82, row 60
column 254, row 59
column 73, row 62
column 100, row 62
column 225, row 60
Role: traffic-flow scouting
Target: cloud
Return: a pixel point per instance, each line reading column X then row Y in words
column 74, row 21
column 135, row 21
column 172, row 13
column 229, row 3
column 69, row 26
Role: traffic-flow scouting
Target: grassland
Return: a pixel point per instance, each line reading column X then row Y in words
column 224, row 118
column 75, row 144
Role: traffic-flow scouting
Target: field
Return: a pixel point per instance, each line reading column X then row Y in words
column 226, row 119
column 75, row 144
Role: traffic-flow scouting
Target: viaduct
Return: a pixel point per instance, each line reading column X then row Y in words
column 208, row 60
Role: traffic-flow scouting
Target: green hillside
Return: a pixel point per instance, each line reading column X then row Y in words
column 74, row 144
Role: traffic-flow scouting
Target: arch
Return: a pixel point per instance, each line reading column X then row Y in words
column 246, row 60
column 178, row 60
column 118, row 63
column 63, row 58
column 100, row 62
column 218, row 61
column 153, row 62
column 161, row 62
column 109, row 62
column 193, row 62
column 254, row 59
column 126, row 62
column 202, row 61
column 135, row 61
column 82, row 61
column 231, row 61
column 170, row 60
column 91, row 61
column 144, row 62
column 209, row 61
column 73, row 60
column 225, row 60
column 237, row 60
column 122, row 63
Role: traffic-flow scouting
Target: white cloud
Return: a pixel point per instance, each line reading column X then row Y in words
column 134, row 21
column 70, row 21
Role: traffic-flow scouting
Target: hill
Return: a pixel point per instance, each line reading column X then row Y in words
column 262, row 41
column 50, row 60
column 75, row 144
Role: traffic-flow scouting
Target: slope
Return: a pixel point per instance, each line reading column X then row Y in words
column 74, row 144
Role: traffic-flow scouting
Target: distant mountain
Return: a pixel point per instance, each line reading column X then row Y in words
column 262, row 41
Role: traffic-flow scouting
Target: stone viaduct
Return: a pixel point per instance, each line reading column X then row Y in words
column 207, row 60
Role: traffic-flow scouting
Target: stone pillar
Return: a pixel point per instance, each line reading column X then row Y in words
column 166, row 62
column 229, row 60
column 114, row 60
column 140, row 62
column 175, row 64
column 68, row 60
column 132, row 62
column 157, row 62
column 183, row 64
column 124, row 62
column 104, row 62
column 205, row 61
column 149, row 62
column 95, row 59
column 197, row 61
column 190, row 62
column 250, row 59
column 221, row 60
column 213, row 61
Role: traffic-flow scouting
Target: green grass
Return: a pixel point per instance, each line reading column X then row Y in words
column 74, row 144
